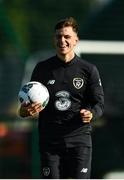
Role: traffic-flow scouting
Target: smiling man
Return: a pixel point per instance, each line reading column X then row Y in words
column 76, row 98
column 65, row 40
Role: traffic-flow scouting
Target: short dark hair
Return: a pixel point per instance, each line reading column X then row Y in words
column 70, row 21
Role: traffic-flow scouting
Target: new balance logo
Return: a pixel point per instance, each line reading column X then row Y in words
column 84, row 170
column 51, row 81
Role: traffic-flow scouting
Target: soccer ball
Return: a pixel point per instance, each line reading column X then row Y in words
column 34, row 91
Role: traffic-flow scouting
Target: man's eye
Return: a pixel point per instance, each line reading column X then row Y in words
column 67, row 37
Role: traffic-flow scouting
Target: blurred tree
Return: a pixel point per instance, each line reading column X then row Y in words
column 33, row 21
column 12, row 41
column 44, row 14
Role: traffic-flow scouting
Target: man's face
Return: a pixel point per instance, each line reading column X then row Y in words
column 65, row 40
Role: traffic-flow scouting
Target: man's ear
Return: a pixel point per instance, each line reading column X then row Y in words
column 76, row 40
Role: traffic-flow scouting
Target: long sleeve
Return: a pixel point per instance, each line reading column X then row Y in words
column 95, row 94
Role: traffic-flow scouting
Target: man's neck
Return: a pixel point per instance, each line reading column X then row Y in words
column 66, row 58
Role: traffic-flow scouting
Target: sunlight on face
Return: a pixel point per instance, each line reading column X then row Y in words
column 65, row 40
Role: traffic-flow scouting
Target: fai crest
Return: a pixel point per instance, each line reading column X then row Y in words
column 46, row 171
column 78, row 83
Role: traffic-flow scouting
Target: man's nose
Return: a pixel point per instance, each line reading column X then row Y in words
column 62, row 39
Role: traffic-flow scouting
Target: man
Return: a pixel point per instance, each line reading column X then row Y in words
column 76, row 98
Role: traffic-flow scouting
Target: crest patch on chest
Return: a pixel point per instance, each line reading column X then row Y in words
column 78, row 82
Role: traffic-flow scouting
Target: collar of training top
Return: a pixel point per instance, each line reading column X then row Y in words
column 59, row 61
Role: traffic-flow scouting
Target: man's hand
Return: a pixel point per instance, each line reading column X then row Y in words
column 86, row 115
column 30, row 109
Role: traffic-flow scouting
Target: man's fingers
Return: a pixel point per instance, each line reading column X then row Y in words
column 34, row 108
column 82, row 111
column 86, row 115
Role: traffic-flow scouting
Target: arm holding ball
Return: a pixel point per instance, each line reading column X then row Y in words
column 30, row 109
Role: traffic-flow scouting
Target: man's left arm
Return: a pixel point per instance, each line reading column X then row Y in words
column 94, row 98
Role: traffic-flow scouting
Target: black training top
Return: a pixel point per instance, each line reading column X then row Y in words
column 72, row 86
